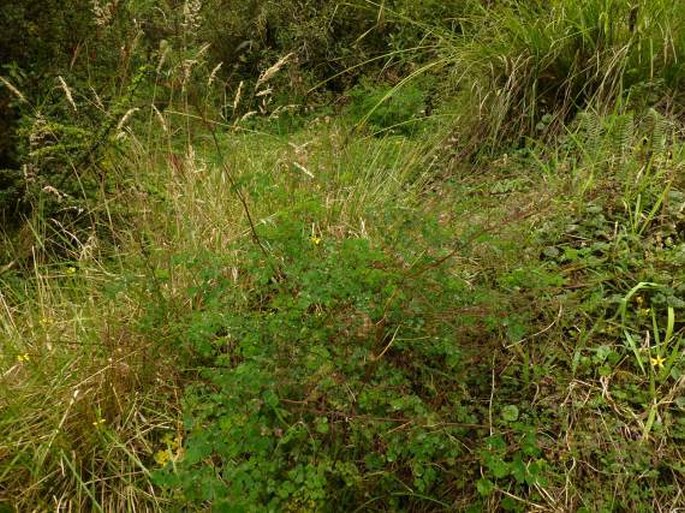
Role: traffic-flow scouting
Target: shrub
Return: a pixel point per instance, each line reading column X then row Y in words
column 331, row 384
column 336, row 42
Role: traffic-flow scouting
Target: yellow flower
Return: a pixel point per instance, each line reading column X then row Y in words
column 315, row 240
column 657, row 362
column 162, row 457
column 170, row 441
column 21, row 358
column 172, row 452
column 99, row 423
column 71, row 270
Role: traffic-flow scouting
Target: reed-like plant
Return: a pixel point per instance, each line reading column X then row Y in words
column 530, row 67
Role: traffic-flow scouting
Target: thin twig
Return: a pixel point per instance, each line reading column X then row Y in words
column 492, row 397
column 234, row 185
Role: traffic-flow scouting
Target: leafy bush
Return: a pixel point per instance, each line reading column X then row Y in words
column 73, row 89
column 330, row 384
column 336, row 43
column 57, row 94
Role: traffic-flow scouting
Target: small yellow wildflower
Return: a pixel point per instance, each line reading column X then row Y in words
column 21, row 358
column 658, row 361
column 315, row 240
column 170, row 441
column 71, row 270
column 163, row 457
column 172, row 452
column 99, row 423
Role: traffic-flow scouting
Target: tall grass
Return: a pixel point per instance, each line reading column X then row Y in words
column 527, row 68
column 82, row 400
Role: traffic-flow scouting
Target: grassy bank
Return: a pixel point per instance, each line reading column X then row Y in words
column 462, row 296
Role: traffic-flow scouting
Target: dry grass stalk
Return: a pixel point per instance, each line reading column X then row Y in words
column 160, row 117
column 191, row 15
column 269, row 73
column 103, row 13
column 236, row 99
column 67, row 92
column 16, row 92
column 212, row 75
column 164, row 48
column 126, row 117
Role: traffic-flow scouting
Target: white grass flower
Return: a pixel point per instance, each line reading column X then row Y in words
column 16, row 92
column 126, row 117
column 269, row 73
column 67, row 92
column 212, row 75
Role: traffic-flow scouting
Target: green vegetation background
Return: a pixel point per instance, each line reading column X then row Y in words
column 315, row 255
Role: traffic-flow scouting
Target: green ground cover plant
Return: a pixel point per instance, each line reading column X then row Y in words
column 456, row 287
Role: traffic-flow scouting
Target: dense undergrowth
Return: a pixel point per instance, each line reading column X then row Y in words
column 385, row 257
